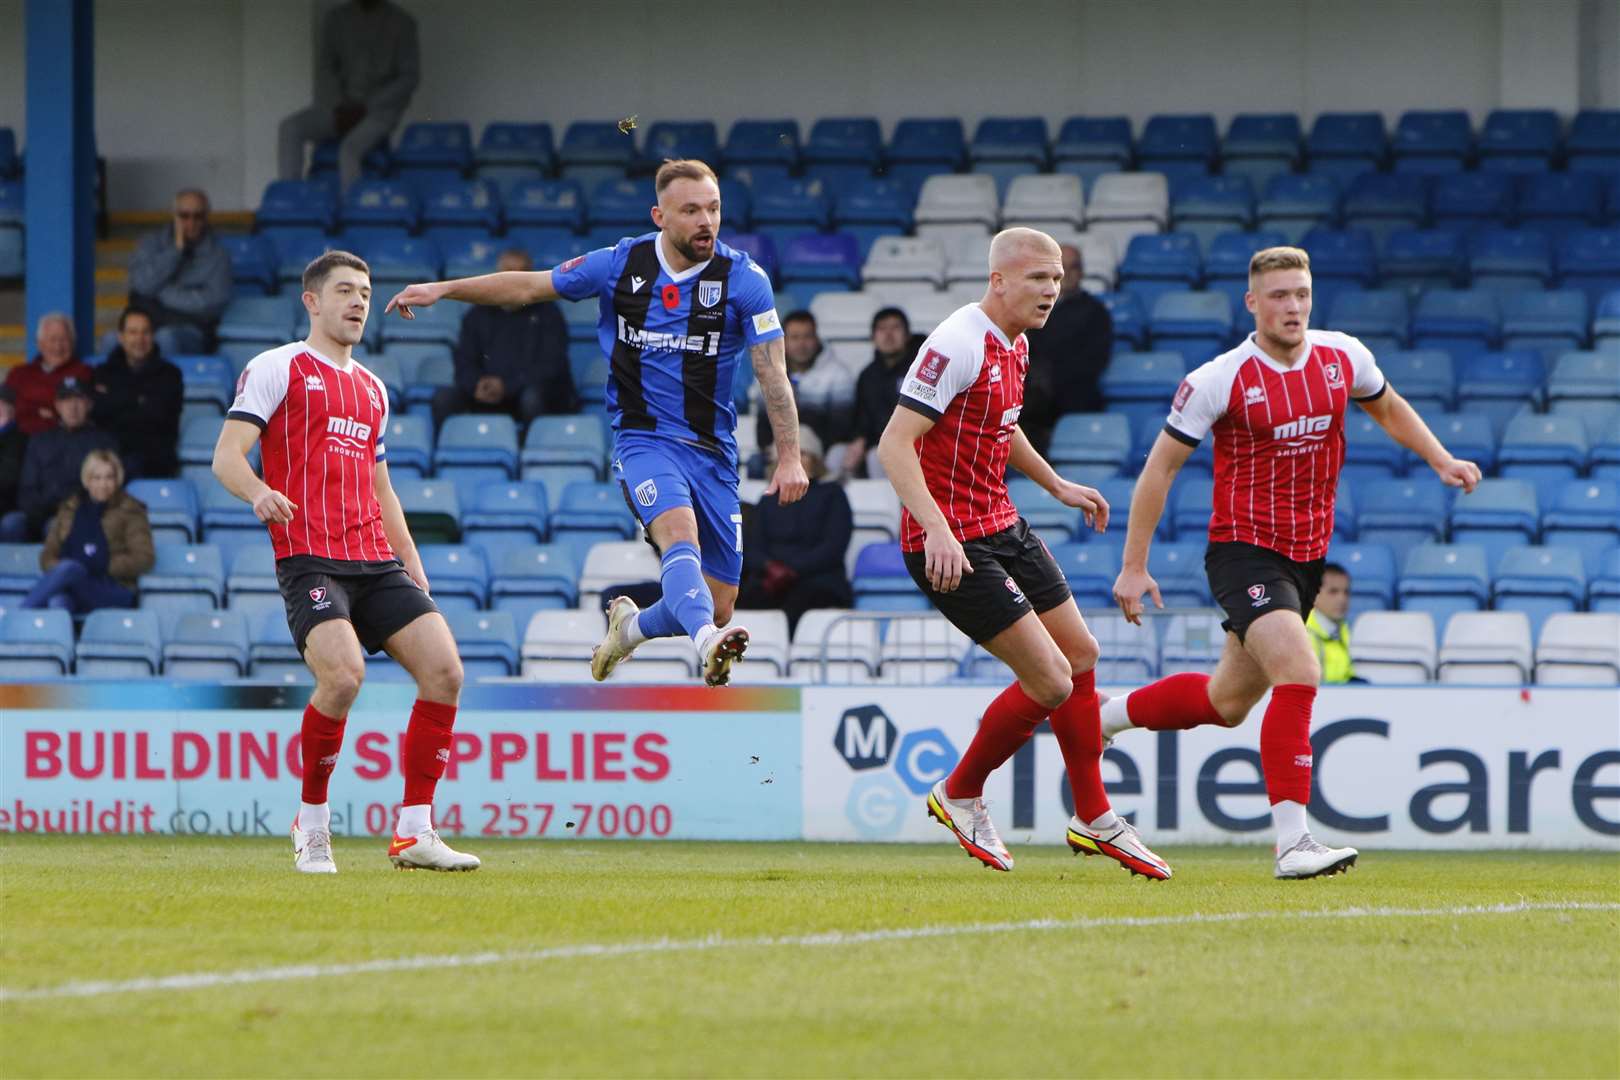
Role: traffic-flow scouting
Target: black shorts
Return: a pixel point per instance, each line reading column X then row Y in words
column 1250, row 581
column 378, row 598
column 1013, row 573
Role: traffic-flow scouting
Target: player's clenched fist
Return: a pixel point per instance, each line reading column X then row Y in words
column 274, row 508
column 944, row 561
column 413, row 296
column 1128, row 590
column 1459, row 473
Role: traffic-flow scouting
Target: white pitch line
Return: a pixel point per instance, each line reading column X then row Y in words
column 207, row 980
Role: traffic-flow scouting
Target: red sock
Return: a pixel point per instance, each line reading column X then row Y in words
column 427, row 749
column 1174, row 703
column 320, row 742
column 1078, row 727
column 1285, row 743
column 1007, row 724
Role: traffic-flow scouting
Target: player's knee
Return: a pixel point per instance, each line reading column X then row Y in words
column 342, row 681
column 443, row 678
column 1052, row 684
column 1083, row 654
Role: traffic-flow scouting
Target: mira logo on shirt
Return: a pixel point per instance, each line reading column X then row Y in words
column 350, row 436
column 1305, row 429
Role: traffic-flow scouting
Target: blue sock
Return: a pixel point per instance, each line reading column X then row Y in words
column 686, row 606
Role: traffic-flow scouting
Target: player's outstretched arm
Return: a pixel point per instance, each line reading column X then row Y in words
column 1147, row 507
column 1396, row 416
column 231, row 466
column 394, row 526
column 789, row 482
column 509, row 288
column 1027, row 460
column 946, row 562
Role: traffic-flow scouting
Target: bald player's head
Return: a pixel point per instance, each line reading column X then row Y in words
column 1026, row 274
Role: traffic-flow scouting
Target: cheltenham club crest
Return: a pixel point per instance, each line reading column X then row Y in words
column 708, row 293
column 318, row 593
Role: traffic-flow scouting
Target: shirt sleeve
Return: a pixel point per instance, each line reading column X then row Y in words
column 583, row 276
column 261, row 389
column 382, row 425
column 1199, row 402
column 756, row 305
column 1367, row 382
column 935, row 378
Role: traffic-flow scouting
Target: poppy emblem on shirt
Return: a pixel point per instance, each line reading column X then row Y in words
column 1335, row 375
column 671, row 295
column 708, row 293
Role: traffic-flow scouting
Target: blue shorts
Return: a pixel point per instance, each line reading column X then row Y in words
column 661, row 474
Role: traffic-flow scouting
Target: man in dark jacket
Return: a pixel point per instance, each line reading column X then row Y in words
column 181, row 276
column 1067, row 356
column 510, row 360
column 793, row 556
column 51, row 466
column 877, row 390
column 138, row 398
column 13, row 445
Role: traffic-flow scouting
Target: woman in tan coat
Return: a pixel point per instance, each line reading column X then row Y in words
column 99, row 544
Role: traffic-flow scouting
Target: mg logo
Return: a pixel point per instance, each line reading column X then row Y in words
column 865, row 737
column 1306, row 427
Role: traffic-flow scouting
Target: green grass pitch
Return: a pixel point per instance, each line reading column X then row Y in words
column 801, row 960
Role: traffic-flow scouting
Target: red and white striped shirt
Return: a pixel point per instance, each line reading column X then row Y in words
column 322, row 426
column 1279, row 438
column 969, row 379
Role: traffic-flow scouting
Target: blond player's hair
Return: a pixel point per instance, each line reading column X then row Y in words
column 674, row 169
column 101, row 457
column 1278, row 258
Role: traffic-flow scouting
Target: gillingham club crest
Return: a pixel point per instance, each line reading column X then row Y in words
column 708, row 293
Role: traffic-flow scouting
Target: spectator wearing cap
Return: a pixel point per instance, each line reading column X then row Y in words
column 823, row 388
column 1067, row 356
column 181, row 277
column 138, row 396
column 13, row 445
column 877, row 390
column 53, row 462
column 793, row 556
column 99, row 543
column 35, row 382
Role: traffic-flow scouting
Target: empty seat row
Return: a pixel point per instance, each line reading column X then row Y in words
column 1487, row 647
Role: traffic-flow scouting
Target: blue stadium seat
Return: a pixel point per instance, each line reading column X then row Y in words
column 1589, row 259
column 670, row 140
column 843, row 149
column 540, row 573
column 1179, row 145
column 251, row 584
column 1539, row 581
column 432, row 509
column 1129, row 318
column 1346, row 523
column 439, row 323
column 1511, row 259
column 1341, row 259
column 19, row 570
column 1559, row 202
column 1425, row 377
column 12, row 255
column 292, row 249
column 198, row 435
column 482, row 441
column 1090, row 439
column 758, row 246
column 1160, row 263
column 206, row 380
column 546, row 203
column 1178, row 567
column 622, row 204
column 224, row 517
column 386, row 204
column 323, row 161
column 506, row 513
column 308, row 203
column 1498, row 514
column 1443, row 579
column 1192, row 643
column 259, row 319
column 1130, row 654
column 171, row 508
column 1585, row 375
column 470, row 256
column 1594, row 141
column 1605, row 450
column 1090, row 569
column 1371, row 568
column 508, row 152
column 1260, row 146
column 1194, row 501
column 409, row 440
column 1439, row 141
column 35, row 643
column 592, row 507
column 1088, row 146
column 1143, row 377
column 566, row 440
column 1606, row 323
column 1402, row 512
column 786, row 206
column 1369, row 452
column 253, row 269
column 468, row 204
column 922, row 147
column 1603, row 591
column 1460, row 321
column 1468, row 201
column 1552, row 321
column 185, row 577
column 1226, row 265
column 432, row 155
column 487, row 641
column 872, row 208
column 119, row 644
column 1196, row 324
column 763, row 149
column 1584, row 517
column 1043, row 511
column 595, row 150
column 1536, row 447
column 398, row 261
column 1379, row 317
column 1512, row 376
column 1518, row 141
column 1009, row 146
column 1350, row 143
column 1384, row 202
column 1207, row 206
column 1419, row 259
column 1468, row 435
column 822, row 257
column 1294, row 205
column 207, row 647
column 458, row 573
column 881, row 581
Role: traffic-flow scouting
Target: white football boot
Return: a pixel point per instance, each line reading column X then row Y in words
column 969, row 820
column 1308, row 859
column 614, row 649
column 427, row 851
column 719, row 651
column 1120, row 842
column 312, row 850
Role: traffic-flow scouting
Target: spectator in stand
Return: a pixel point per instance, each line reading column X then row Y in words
column 181, row 276
column 1329, row 625
column 53, row 462
column 99, row 544
column 511, row 360
column 1067, row 356
column 823, row 388
column 35, row 382
column 138, row 398
column 13, row 445
column 793, row 556
column 365, row 73
column 877, row 390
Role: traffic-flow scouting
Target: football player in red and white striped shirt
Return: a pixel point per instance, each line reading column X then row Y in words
column 349, row 572
column 946, row 451
column 1275, row 405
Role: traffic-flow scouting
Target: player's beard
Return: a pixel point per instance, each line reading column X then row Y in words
column 689, row 251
